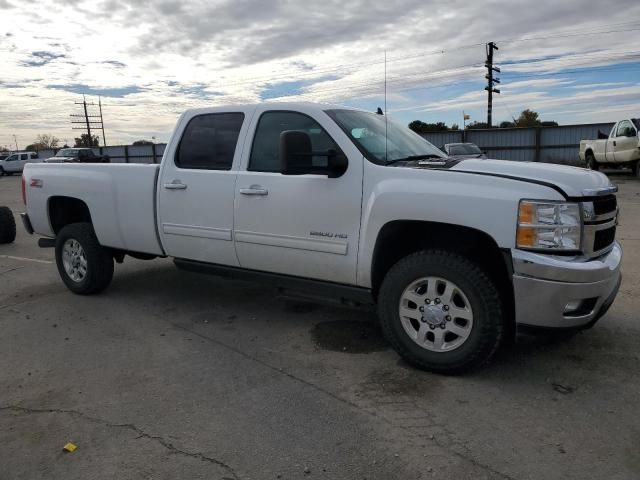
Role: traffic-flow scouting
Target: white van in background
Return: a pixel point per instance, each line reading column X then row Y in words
column 15, row 162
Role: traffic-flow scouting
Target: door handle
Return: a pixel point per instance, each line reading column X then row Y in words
column 614, row 143
column 175, row 185
column 254, row 190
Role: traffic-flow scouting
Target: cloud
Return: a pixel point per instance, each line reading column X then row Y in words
column 152, row 60
column 42, row 57
column 102, row 92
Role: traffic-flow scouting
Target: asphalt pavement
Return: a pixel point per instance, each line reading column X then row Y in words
column 176, row 375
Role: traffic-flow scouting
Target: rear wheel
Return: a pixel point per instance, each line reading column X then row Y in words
column 591, row 162
column 84, row 265
column 7, row 225
column 441, row 312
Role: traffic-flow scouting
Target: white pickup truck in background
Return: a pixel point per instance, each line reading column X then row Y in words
column 342, row 203
column 621, row 148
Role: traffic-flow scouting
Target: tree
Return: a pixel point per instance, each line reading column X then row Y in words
column 477, row 126
column 419, row 126
column 44, row 141
column 507, row 124
column 549, row 123
column 83, row 141
column 528, row 118
column 142, row 142
column 455, row 126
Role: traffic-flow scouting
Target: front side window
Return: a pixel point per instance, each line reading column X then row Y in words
column 623, row 128
column 382, row 140
column 209, row 141
column 265, row 152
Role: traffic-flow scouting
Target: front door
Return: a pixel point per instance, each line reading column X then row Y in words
column 197, row 184
column 626, row 141
column 303, row 225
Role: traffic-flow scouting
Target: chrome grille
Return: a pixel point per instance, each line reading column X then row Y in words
column 600, row 220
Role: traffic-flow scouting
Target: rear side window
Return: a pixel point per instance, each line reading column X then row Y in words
column 24, row 156
column 209, row 141
column 265, row 152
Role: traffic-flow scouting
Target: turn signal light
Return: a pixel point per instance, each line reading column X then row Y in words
column 527, row 236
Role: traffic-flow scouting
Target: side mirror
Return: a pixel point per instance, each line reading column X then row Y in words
column 296, row 156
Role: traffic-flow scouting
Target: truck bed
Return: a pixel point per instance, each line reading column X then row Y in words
column 120, row 199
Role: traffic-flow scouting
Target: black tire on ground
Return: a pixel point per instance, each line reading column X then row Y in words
column 99, row 260
column 1, row 172
column 636, row 169
column 488, row 322
column 590, row 160
column 7, row 225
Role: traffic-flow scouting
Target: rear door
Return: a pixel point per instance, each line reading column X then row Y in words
column 197, row 183
column 626, row 141
column 304, row 225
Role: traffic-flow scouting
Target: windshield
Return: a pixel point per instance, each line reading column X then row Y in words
column 464, row 149
column 367, row 131
column 67, row 152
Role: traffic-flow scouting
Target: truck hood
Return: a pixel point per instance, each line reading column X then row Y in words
column 574, row 181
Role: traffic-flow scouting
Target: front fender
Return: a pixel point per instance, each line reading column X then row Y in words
column 485, row 203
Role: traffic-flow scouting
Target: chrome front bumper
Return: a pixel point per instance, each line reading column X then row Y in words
column 544, row 285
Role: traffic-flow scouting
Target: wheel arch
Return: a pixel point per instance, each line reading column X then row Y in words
column 400, row 238
column 63, row 211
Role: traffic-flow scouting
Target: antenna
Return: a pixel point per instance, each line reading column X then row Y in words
column 386, row 121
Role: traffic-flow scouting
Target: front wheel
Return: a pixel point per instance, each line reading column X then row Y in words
column 636, row 169
column 84, row 265
column 441, row 312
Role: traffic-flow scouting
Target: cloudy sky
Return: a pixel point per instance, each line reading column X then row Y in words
column 572, row 61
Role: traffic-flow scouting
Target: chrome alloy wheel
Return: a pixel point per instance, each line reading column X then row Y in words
column 74, row 260
column 436, row 314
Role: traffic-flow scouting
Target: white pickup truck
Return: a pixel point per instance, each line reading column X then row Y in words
column 335, row 202
column 622, row 147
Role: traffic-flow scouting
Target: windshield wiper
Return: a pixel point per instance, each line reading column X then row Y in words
column 414, row 157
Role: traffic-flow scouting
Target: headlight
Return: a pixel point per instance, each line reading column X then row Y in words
column 554, row 226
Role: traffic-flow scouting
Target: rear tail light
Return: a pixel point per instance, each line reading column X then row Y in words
column 24, row 193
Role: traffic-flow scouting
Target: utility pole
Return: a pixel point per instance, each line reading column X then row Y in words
column 87, row 120
column 491, row 80
column 15, row 139
column 104, row 140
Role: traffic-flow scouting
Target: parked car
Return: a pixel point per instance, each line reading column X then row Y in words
column 77, row 155
column 463, row 150
column 620, row 148
column 15, row 162
column 4, row 155
column 7, row 225
column 324, row 200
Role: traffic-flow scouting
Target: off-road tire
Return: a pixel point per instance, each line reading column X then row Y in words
column 99, row 259
column 488, row 322
column 7, row 225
